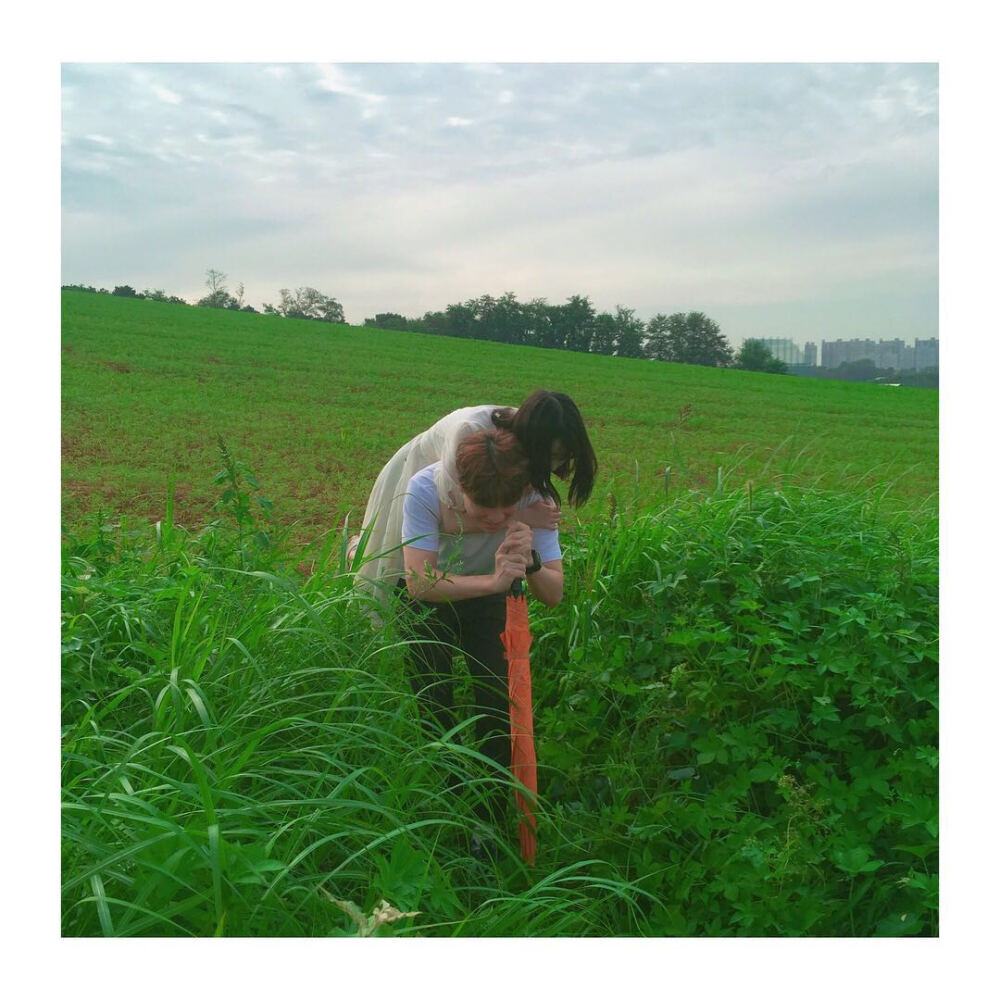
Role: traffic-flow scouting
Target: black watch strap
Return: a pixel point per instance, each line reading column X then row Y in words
column 536, row 563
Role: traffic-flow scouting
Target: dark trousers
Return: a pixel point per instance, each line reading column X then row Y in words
column 474, row 627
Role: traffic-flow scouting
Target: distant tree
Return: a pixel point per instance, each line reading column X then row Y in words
column 218, row 295
column 154, row 294
column 540, row 330
column 926, row 378
column 215, row 280
column 125, row 291
column 79, row 288
column 484, row 312
column 576, row 322
column 629, row 333
column 308, row 303
column 657, row 346
column 217, row 300
column 603, row 339
column 693, row 339
column 501, row 320
column 864, row 370
column 510, row 320
column 433, row 322
column 753, row 356
column 389, row 321
column 460, row 319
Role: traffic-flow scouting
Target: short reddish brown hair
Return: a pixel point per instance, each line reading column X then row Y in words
column 492, row 468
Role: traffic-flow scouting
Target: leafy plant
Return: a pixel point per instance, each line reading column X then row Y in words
column 736, row 719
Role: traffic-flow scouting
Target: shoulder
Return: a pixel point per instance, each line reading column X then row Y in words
column 479, row 417
column 420, row 501
column 422, row 482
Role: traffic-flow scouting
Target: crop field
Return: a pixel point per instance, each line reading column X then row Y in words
column 735, row 703
column 317, row 409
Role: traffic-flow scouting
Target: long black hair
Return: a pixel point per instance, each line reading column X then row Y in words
column 545, row 419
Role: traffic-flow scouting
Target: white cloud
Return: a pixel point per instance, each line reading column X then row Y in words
column 333, row 79
column 738, row 186
column 165, row 95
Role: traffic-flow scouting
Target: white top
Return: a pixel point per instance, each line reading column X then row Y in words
column 383, row 519
column 463, row 553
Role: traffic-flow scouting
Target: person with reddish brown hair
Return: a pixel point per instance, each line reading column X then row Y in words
column 477, row 545
column 551, row 432
column 460, row 560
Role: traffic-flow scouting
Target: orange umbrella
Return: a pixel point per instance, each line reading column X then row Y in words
column 517, row 642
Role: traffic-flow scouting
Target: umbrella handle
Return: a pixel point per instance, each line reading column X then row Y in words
column 517, row 588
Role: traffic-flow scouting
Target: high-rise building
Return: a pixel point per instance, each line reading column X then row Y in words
column 890, row 354
column 895, row 354
column 925, row 353
column 836, row 352
column 783, row 349
column 885, row 353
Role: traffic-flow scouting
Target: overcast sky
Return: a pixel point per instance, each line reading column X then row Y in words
column 786, row 200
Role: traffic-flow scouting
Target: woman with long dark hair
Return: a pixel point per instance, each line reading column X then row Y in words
column 460, row 562
column 547, row 425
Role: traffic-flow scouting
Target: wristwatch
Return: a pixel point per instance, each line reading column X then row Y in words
column 536, row 563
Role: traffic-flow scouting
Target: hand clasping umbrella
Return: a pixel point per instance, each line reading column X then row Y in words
column 517, row 642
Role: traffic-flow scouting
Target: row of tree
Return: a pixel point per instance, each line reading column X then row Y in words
column 867, row 370
column 128, row 292
column 303, row 303
column 575, row 325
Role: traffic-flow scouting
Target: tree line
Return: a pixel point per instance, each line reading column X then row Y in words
column 686, row 338
column 302, row 303
column 575, row 325
column 690, row 338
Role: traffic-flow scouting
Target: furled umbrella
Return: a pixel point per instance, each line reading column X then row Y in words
column 517, row 643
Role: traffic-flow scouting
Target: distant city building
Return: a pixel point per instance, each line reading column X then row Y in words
column 884, row 353
column 925, row 353
column 809, row 355
column 890, row 354
column 783, row 349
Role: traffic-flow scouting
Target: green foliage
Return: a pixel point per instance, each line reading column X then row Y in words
column 307, row 303
column 744, row 715
column 736, row 715
column 242, row 756
column 629, row 333
column 753, row 356
column 687, row 338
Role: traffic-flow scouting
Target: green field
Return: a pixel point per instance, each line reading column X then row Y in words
column 735, row 703
column 317, row 409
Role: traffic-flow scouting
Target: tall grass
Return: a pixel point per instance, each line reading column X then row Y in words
column 240, row 747
column 736, row 723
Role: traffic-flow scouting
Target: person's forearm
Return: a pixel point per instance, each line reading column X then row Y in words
column 437, row 587
column 547, row 585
